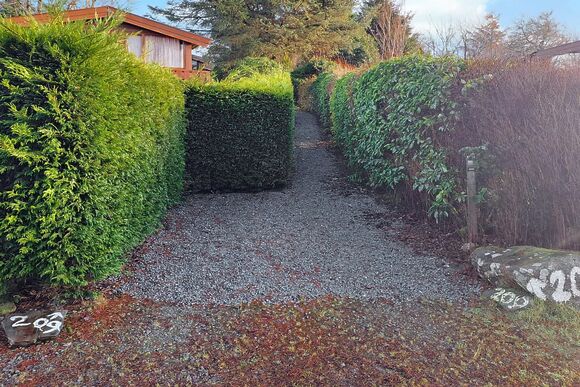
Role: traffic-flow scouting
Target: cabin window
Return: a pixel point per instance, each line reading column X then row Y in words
column 166, row 52
column 135, row 45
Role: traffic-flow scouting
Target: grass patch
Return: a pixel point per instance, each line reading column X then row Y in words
column 551, row 320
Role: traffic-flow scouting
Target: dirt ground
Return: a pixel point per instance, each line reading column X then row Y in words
column 118, row 340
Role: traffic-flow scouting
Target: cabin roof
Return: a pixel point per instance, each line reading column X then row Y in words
column 563, row 49
column 129, row 18
column 197, row 58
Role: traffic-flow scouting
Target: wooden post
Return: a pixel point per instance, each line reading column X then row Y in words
column 187, row 60
column 471, row 201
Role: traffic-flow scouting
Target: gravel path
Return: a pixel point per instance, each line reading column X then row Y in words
column 305, row 241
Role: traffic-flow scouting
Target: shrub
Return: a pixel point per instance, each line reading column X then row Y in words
column 91, row 150
column 303, row 76
column 321, row 90
column 249, row 67
column 404, row 125
column 343, row 117
column 240, row 133
column 303, row 95
column 312, row 68
column 387, row 122
column 526, row 118
column 363, row 52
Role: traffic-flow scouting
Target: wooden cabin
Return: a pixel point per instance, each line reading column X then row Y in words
column 152, row 41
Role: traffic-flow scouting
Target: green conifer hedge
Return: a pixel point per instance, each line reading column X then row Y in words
column 91, row 150
column 240, row 134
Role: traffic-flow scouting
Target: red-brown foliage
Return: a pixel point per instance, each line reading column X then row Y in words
column 529, row 114
column 322, row 342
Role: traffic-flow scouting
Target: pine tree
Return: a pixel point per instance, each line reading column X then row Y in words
column 284, row 30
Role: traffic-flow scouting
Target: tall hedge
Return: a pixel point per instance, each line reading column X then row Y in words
column 342, row 113
column 306, row 73
column 523, row 126
column 387, row 122
column 321, row 90
column 246, row 68
column 91, row 150
column 240, row 133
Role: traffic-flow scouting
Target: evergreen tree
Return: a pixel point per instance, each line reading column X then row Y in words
column 284, row 30
column 390, row 27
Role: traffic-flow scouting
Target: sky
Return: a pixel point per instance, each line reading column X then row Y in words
column 430, row 13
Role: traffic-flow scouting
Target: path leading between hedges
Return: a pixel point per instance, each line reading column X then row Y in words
column 313, row 238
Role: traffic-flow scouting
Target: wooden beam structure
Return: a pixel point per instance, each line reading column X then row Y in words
column 564, row 49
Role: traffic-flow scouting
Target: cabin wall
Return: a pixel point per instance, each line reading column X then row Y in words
column 167, row 52
column 144, row 42
column 160, row 49
column 153, row 47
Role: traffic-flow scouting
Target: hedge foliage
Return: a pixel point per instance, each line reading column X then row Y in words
column 408, row 124
column 523, row 125
column 312, row 68
column 387, row 121
column 91, row 150
column 240, row 133
column 306, row 72
column 342, row 114
column 321, row 91
column 247, row 68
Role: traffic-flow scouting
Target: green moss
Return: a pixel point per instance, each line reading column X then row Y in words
column 551, row 320
column 6, row 307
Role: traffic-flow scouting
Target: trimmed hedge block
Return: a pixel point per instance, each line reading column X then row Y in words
column 91, row 150
column 240, row 133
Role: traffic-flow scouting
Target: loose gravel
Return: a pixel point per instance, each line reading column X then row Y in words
column 306, row 241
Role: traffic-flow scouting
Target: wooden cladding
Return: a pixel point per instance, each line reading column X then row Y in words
column 187, row 74
column 128, row 18
column 151, row 41
column 135, row 45
column 166, row 52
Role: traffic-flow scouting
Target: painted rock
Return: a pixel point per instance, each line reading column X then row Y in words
column 550, row 275
column 510, row 299
column 27, row 328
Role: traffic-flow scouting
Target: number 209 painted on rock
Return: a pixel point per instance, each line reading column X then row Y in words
column 50, row 322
